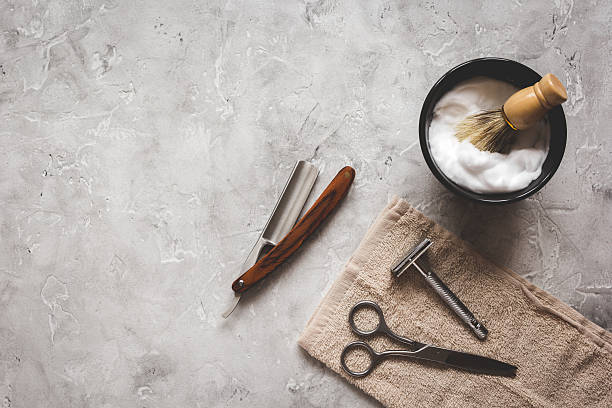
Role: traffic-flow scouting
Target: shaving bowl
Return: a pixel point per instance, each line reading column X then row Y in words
column 518, row 75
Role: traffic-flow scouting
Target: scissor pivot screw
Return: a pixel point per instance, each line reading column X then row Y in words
column 240, row 283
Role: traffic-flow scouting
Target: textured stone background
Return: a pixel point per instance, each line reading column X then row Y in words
column 145, row 142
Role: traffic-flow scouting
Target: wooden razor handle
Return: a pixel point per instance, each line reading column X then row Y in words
column 527, row 106
column 320, row 210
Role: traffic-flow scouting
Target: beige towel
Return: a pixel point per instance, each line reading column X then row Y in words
column 564, row 360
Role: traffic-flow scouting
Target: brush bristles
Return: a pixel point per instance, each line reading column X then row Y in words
column 487, row 130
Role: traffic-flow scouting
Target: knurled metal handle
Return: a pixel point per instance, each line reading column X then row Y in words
column 455, row 304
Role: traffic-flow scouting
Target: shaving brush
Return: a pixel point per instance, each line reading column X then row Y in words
column 495, row 130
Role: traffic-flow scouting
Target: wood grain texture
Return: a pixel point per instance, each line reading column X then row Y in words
column 527, row 106
column 320, row 210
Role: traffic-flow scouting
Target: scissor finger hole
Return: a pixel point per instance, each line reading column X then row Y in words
column 365, row 318
column 357, row 359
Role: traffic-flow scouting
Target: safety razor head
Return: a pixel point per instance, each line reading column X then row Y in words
column 404, row 263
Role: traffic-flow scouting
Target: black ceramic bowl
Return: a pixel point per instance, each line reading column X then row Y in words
column 518, row 75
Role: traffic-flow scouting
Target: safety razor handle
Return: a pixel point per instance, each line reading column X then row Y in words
column 454, row 303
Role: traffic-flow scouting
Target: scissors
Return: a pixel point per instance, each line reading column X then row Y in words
column 456, row 359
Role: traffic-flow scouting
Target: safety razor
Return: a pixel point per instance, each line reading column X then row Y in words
column 441, row 289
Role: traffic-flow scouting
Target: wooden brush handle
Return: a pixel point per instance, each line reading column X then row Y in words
column 527, row 106
column 320, row 210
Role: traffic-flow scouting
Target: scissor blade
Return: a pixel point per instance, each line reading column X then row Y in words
column 480, row 364
column 467, row 361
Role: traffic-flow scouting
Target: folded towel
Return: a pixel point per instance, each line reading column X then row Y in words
column 563, row 359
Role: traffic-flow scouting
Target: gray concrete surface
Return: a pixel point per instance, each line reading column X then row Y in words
column 144, row 143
